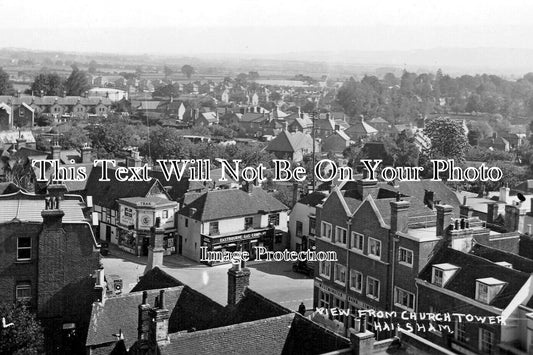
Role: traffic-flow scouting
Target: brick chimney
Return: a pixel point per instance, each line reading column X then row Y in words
column 134, row 160
column 514, row 218
column 159, row 316
column 56, row 150
column 156, row 249
column 86, row 154
column 99, row 288
column 399, row 215
column 504, row 194
column 362, row 343
column 444, row 218
column 492, row 212
column 144, row 320
column 238, row 281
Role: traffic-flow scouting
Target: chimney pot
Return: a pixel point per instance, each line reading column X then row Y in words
column 162, row 299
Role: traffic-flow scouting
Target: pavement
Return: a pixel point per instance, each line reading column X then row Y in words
column 274, row 280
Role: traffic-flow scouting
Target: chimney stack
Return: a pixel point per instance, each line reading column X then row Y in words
column 514, row 218
column 156, row 249
column 159, row 316
column 86, row 154
column 56, row 150
column 492, row 212
column 99, row 289
column 504, row 194
column 238, row 281
column 399, row 216
column 444, row 218
column 143, row 324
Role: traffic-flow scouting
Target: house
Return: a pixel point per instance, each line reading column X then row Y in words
column 336, row 142
column 162, row 315
column 360, row 130
column 495, row 143
column 106, row 195
column 47, row 258
column 231, row 220
column 205, row 119
column 379, row 232
column 293, row 146
column 380, row 124
column 302, row 221
column 6, row 119
column 485, row 283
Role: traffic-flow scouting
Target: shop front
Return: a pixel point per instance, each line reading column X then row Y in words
column 241, row 241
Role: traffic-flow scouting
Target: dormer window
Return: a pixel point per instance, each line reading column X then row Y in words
column 487, row 289
column 442, row 273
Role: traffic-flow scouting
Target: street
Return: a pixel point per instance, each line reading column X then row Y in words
column 274, row 280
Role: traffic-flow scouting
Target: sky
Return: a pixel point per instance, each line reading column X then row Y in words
column 263, row 27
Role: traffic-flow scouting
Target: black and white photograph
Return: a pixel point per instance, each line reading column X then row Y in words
column 266, row 177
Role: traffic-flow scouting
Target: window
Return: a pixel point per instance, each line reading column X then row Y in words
column 486, row 341
column 273, row 219
column 357, row 242
column 323, row 299
column 352, row 317
column 487, row 289
column 23, row 291
column 312, row 226
column 213, row 228
column 325, row 269
column 374, row 247
column 356, row 281
column 248, row 222
column 326, row 230
column 460, row 331
column 23, row 248
column 372, row 288
column 405, row 256
column 434, row 325
column 299, row 228
column 165, row 213
column 340, row 305
column 21, row 112
column 340, row 274
column 404, row 299
column 278, row 238
column 340, row 235
column 437, row 277
column 482, row 292
column 186, row 223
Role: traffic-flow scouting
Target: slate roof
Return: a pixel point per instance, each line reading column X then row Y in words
column 120, row 312
column 473, row 267
column 51, row 100
column 290, row 142
column 8, row 188
column 221, row 204
column 495, row 255
column 360, row 127
column 26, row 207
column 106, row 193
column 313, row 199
column 12, row 136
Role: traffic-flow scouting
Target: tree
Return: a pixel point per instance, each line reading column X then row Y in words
column 187, row 70
column 448, row 139
column 92, row 67
column 166, row 144
column 109, row 138
column 6, row 87
column 50, row 84
column 77, row 83
column 25, row 336
column 168, row 71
